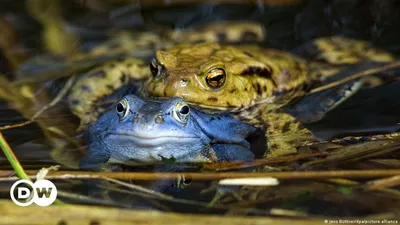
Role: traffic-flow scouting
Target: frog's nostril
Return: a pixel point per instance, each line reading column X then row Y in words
column 159, row 119
column 184, row 82
column 135, row 118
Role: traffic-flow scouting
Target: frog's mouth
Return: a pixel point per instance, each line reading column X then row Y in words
column 212, row 108
column 151, row 139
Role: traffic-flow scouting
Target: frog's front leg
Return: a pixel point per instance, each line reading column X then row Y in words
column 225, row 153
column 95, row 160
column 103, row 81
column 232, row 152
column 284, row 133
column 284, row 128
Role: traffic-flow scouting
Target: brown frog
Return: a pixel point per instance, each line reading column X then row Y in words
column 257, row 84
column 106, row 79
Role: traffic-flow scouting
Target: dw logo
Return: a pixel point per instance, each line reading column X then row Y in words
column 42, row 192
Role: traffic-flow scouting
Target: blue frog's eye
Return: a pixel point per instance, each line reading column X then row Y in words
column 122, row 109
column 182, row 112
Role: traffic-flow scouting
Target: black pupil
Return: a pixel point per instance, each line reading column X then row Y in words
column 184, row 110
column 153, row 69
column 217, row 78
column 120, row 108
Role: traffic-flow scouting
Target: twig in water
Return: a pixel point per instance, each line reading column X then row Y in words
column 217, row 176
column 383, row 183
column 57, row 99
column 6, row 127
column 356, row 76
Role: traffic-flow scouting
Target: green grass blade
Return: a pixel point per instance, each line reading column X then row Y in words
column 12, row 158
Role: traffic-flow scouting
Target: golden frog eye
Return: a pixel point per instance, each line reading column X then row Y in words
column 181, row 112
column 154, row 67
column 216, row 78
column 122, row 109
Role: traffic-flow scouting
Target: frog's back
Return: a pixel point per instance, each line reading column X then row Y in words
column 289, row 72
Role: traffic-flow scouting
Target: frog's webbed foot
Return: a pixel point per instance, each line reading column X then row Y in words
column 284, row 134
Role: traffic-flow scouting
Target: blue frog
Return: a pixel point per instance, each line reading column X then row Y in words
column 138, row 132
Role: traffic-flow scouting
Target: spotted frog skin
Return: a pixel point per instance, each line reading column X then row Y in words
column 126, row 43
column 113, row 63
column 136, row 132
column 105, row 79
column 212, row 75
column 258, row 83
column 253, row 82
